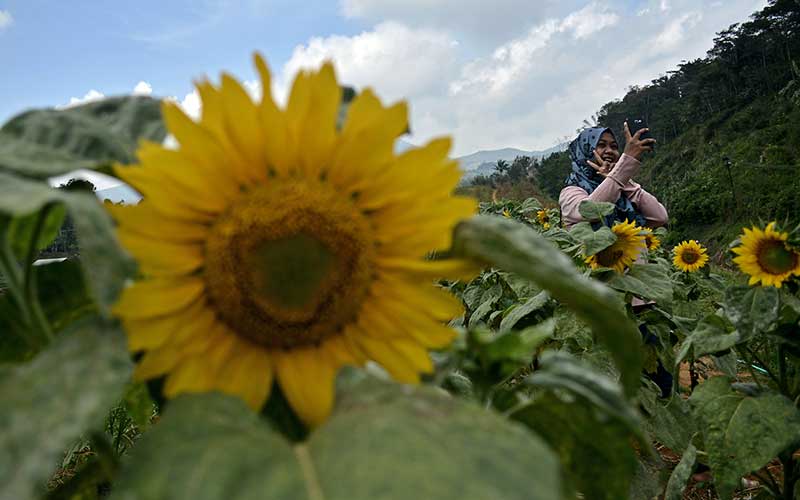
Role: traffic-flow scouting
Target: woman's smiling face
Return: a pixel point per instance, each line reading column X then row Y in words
column 607, row 148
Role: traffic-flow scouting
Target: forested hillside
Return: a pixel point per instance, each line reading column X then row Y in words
column 728, row 130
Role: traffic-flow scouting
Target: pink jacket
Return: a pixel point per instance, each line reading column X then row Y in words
column 619, row 180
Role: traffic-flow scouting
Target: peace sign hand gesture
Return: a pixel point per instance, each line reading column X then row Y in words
column 603, row 167
column 636, row 146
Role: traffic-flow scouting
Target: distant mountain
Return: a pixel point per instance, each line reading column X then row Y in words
column 475, row 160
column 483, row 162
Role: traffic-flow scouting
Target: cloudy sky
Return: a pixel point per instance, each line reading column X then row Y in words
column 501, row 73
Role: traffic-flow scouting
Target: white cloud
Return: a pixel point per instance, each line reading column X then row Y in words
column 142, row 88
column 589, row 20
column 92, row 95
column 675, row 32
column 397, row 60
column 664, row 5
column 6, row 19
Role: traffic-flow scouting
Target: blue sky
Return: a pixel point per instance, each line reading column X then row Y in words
column 507, row 73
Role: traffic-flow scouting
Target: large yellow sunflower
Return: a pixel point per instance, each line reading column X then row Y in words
column 623, row 252
column 651, row 241
column 690, row 256
column 766, row 257
column 275, row 246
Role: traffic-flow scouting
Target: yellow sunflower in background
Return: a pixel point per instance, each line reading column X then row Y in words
column 623, row 252
column 543, row 217
column 690, row 256
column 506, row 213
column 765, row 256
column 276, row 247
column 650, row 239
column 546, row 226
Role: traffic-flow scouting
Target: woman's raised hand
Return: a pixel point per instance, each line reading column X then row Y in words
column 603, row 167
column 636, row 146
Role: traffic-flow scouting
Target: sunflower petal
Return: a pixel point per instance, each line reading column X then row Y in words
column 307, row 377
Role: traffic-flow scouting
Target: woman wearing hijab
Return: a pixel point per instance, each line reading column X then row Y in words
column 599, row 173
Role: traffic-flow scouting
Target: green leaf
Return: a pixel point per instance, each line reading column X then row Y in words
column 672, row 424
column 520, row 345
column 596, row 453
column 50, row 401
column 489, row 298
column 105, row 265
column 593, row 241
column 47, row 142
column 680, row 476
column 515, row 247
column 561, row 371
column 383, row 442
column 646, row 281
column 712, row 335
column 521, row 310
column 752, row 310
column 20, row 230
column 742, row 433
column 595, row 210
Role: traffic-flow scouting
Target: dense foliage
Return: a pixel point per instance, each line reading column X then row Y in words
column 728, row 142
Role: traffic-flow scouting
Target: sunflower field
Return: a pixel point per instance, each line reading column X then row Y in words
column 295, row 311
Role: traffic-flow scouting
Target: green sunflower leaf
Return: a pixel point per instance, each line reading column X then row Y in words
column 49, row 402
column 593, row 241
column 742, row 433
column 47, row 142
column 384, row 441
column 680, row 476
column 595, row 210
column 646, row 281
column 514, row 247
column 105, row 266
column 596, row 453
column 752, row 310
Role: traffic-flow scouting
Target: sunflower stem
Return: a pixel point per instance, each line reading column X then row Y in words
column 10, row 269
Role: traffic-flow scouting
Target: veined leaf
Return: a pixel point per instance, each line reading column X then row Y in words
column 593, row 241
column 595, row 210
column 383, row 442
column 680, row 476
column 713, row 334
column 47, row 142
column 742, row 433
column 50, row 401
column 521, row 310
column 752, row 310
column 646, row 281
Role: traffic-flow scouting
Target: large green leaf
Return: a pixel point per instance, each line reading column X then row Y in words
column 561, row 371
column 105, row 265
column 646, row 281
column 593, row 241
column 515, row 247
column 713, row 334
column 752, row 310
column 521, row 310
column 50, row 401
column 742, row 433
column 595, row 452
column 47, row 142
column 384, row 441
column 595, row 210
column 680, row 476
column 672, row 424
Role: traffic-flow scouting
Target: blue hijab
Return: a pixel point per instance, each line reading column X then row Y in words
column 587, row 178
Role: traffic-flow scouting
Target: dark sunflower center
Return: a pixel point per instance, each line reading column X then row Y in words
column 609, row 257
column 690, row 256
column 775, row 258
column 289, row 265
